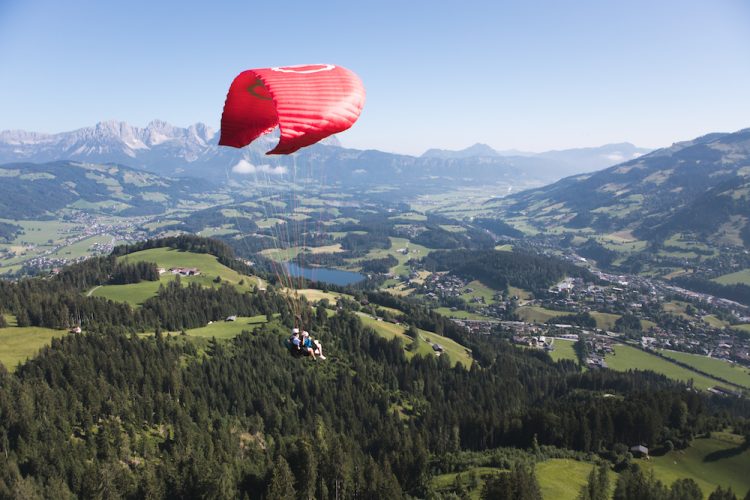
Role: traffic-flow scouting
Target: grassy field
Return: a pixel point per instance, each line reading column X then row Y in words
column 410, row 216
column 677, row 308
column 630, row 358
column 605, row 321
column 536, row 314
column 742, row 328
column 564, row 350
column 82, row 248
column 166, row 258
column 17, row 344
column 742, row 277
column 446, row 311
column 716, row 367
column 522, row 294
column 453, row 349
column 714, row 322
column 714, row 461
column 314, row 295
column 286, row 254
column 562, row 478
column 228, row 329
column 415, row 252
column 480, row 290
column 559, row 478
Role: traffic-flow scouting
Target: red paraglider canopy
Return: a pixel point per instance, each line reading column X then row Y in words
column 308, row 103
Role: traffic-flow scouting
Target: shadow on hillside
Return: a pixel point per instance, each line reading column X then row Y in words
column 727, row 453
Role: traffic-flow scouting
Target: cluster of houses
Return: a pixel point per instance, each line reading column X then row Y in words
column 182, row 271
column 85, row 226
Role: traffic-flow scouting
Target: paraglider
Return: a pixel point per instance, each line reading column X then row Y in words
column 308, row 103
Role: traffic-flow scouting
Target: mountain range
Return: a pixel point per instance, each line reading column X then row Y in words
column 193, row 151
column 701, row 186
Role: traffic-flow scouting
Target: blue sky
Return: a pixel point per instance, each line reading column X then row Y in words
column 531, row 75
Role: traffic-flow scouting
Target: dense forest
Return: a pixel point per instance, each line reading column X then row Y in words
column 8, row 232
column 109, row 413
column 499, row 269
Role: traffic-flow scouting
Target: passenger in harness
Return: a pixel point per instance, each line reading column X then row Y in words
column 313, row 346
column 294, row 343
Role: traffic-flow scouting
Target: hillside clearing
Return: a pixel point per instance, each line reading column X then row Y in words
column 387, row 330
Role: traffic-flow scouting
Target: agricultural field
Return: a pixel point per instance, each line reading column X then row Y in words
column 453, row 349
column 536, row 314
column 677, row 308
column 459, row 314
column 479, row 291
column 564, row 350
column 718, row 460
column 410, row 216
column 741, row 277
column 714, row 322
column 626, row 358
column 523, row 295
column 209, row 266
column 83, row 248
column 742, row 328
column 287, row 254
column 734, row 373
column 269, row 222
column 605, row 321
column 414, row 252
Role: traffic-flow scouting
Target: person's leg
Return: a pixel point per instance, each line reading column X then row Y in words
column 320, row 349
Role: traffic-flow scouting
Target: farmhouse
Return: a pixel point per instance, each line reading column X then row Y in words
column 185, row 271
column 639, row 451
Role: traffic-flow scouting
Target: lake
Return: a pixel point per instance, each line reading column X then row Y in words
column 324, row 274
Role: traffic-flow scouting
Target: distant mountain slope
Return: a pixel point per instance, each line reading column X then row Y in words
column 193, row 151
column 566, row 161
column 30, row 190
column 700, row 186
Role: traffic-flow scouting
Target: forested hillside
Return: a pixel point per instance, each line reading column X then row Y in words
column 110, row 413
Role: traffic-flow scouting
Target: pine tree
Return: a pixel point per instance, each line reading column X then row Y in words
column 722, row 494
column 685, row 489
column 282, row 481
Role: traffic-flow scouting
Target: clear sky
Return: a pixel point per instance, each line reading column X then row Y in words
column 532, row 75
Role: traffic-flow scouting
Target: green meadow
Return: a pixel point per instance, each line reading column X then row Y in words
column 732, row 372
column 387, row 330
column 742, row 277
column 209, row 266
column 626, row 358
column 17, row 344
column 720, row 460
column 228, row 329
column 564, row 350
